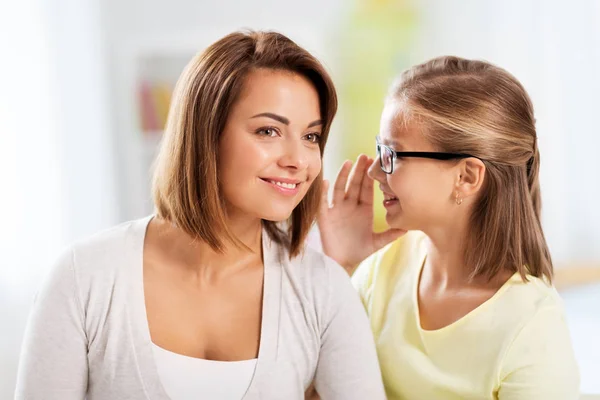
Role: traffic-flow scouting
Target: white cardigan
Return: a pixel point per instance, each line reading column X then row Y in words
column 88, row 333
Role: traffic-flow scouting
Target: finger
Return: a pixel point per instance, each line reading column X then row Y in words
column 382, row 239
column 366, row 191
column 324, row 205
column 339, row 188
column 356, row 177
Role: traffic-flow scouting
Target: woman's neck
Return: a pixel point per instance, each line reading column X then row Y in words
column 198, row 257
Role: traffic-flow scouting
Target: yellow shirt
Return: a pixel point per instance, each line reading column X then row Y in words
column 516, row 345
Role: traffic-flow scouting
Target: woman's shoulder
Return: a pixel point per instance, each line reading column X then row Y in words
column 316, row 280
column 115, row 236
column 113, row 244
column 101, row 256
column 319, row 290
column 314, row 269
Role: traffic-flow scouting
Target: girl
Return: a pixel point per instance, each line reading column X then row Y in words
column 462, row 306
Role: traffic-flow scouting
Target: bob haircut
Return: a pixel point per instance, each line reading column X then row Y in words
column 185, row 185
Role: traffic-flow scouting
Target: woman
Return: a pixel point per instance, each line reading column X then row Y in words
column 462, row 306
column 212, row 297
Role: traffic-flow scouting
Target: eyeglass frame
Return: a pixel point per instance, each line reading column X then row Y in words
column 416, row 154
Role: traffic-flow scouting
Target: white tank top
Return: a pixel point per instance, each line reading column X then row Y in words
column 187, row 378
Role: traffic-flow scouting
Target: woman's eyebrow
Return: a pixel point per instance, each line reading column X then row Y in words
column 284, row 120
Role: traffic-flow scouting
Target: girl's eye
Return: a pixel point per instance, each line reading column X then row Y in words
column 313, row 137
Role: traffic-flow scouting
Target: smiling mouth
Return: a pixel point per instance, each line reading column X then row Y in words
column 285, row 185
column 389, row 197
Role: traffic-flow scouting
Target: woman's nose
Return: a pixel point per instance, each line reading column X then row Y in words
column 294, row 155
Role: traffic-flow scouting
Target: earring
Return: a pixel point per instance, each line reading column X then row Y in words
column 458, row 199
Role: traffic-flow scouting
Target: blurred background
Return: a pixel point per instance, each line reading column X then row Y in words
column 85, row 87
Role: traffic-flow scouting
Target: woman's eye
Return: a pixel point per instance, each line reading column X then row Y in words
column 271, row 132
column 313, row 137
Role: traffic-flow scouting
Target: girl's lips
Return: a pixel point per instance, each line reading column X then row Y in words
column 390, row 203
column 389, row 200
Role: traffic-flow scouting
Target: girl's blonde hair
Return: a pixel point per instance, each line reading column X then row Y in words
column 477, row 108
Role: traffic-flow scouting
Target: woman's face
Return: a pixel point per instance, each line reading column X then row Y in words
column 418, row 195
column 269, row 151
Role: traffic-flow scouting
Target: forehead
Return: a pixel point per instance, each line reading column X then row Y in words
column 398, row 131
column 281, row 92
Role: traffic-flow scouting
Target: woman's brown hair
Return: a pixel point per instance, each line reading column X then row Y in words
column 186, row 179
column 474, row 107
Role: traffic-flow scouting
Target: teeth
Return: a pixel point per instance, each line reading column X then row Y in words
column 285, row 185
column 387, row 198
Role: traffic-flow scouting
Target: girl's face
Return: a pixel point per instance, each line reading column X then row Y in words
column 420, row 193
column 269, row 151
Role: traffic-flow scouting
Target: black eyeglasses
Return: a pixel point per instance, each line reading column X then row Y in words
column 387, row 156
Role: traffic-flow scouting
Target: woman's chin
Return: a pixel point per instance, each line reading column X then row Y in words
column 277, row 216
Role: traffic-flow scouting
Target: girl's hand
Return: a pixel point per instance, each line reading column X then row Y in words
column 346, row 226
